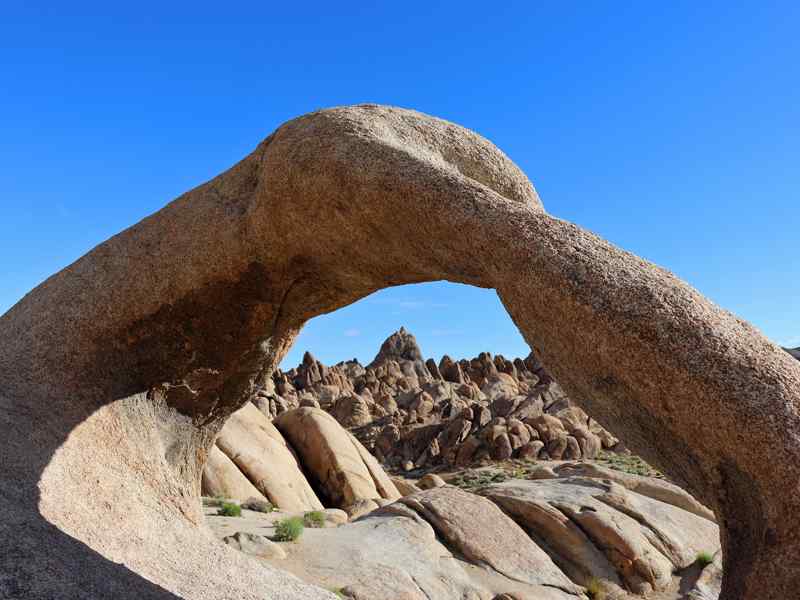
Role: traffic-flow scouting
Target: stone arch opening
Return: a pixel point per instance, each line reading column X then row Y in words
column 118, row 371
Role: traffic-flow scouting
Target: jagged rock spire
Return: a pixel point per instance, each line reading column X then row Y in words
column 401, row 345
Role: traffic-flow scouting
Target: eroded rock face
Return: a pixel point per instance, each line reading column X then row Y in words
column 404, row 410
column 139, row 351
column 600, row 529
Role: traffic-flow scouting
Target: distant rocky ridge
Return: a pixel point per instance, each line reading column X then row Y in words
column 794, row 352
column 415, row 413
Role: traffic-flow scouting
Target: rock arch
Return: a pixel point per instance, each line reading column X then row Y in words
column 117, row 372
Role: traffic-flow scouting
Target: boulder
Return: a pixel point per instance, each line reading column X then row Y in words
column 223, row 479
column 599, row 529
column 351, row 411
column 260, row 452
column 404, row 486
column 482, row 533
column 332, row 459
column 257, row 545
column 430, row 481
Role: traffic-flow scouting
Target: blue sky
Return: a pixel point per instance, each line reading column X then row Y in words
column 669, row 128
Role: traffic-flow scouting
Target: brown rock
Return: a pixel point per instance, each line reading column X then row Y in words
column 501, row 447
column 530, row 451
column 139, row 351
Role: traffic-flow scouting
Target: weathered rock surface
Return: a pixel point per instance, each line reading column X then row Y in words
column 345, row 472
column 394, row 553
column 222, row 478
column 406, row 409
column 257, row 545
column 257, row 448
column 597, row 528
column 483, row 534
column 139, row 351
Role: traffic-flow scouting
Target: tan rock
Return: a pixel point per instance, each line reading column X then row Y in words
column 222, row 478
column 599, row 529
column 404, row 486
column 140, row 350
column 352, row 411
column 330, row 455
column 430, row 481
column 257, row 545
column 383, row 483
column 658, row 489
column 258, row 449
column 476, row 528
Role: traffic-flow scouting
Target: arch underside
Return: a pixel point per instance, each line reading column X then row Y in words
column 118, row 372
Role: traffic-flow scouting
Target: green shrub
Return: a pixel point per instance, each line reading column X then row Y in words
column 314, row 519
column 288, row 530
column 594, row 589
column 230, row 509
column 704, row 559
column 258, row 505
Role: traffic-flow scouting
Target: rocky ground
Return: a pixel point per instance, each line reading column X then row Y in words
column 571, row 530
column 501, row 487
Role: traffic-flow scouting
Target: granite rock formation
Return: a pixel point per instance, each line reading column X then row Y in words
column 529, row 539
column 117, row 373
column 415, row 413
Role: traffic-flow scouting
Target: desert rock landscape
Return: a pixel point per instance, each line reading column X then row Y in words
column 142, row 407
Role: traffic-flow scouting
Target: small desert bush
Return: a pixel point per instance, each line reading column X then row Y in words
column 704, row 559
column 230, row 509
column 472, row 480
column 257, row 505
column 288, row 530
column 314, row 519
column 594, row 589
column 627, row 463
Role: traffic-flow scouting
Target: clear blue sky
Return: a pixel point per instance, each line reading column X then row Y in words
column 669, row 128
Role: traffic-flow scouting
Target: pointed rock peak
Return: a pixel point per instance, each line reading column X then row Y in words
column 308, row 359
column 401, row 345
